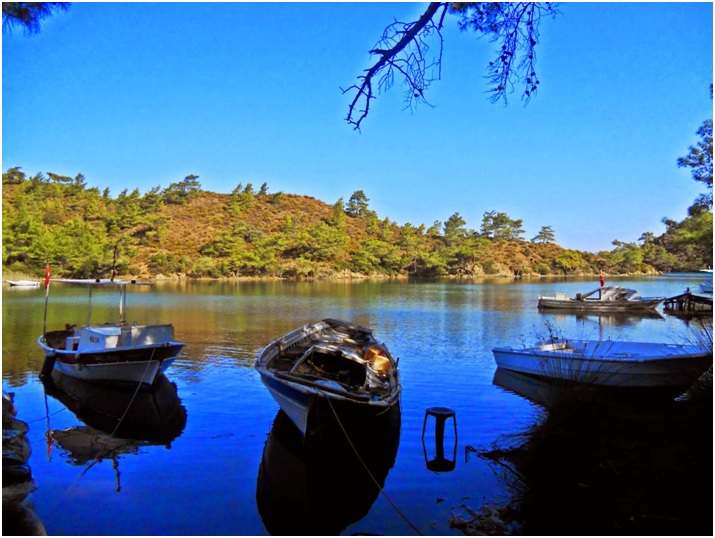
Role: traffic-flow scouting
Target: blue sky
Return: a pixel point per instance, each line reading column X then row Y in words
column 139, row 95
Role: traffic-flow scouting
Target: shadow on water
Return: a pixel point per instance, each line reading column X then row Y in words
column 323, row 483
column 595, row 464
column 118, row 419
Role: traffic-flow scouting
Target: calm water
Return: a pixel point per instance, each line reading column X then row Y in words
column 224, row 461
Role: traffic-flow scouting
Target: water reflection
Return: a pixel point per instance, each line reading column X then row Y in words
column 549, row 393
column 612, row 319
column 118, row 419
column 321, row 486
column 536, row 390
column 587, row 465
column 438, row 462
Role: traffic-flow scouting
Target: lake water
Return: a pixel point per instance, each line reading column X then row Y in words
column 225, row 462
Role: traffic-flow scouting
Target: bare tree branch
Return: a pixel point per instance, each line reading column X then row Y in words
column 516, row 26
column 404, row 51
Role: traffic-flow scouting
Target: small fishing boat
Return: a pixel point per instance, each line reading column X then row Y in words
column 603, row 299
column 112, row 351
column 23, row 283
column 610, row 363
column 333, row 362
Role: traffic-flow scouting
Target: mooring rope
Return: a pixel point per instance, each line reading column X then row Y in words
column 394, row 506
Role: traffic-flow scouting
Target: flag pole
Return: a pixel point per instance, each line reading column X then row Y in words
column 47, row 296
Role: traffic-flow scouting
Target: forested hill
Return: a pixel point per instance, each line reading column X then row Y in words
column 187, row 232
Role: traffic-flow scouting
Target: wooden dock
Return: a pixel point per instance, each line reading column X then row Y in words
column 687, row 303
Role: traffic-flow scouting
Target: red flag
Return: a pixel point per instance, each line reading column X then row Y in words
column 47, row 275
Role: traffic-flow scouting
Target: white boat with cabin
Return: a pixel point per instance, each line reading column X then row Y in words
column 603, row 299
column 113, row 351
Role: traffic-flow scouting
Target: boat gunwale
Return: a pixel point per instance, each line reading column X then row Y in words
column 616, row 357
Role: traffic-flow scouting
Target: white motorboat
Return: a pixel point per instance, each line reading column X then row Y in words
column 23, row 283
column 610, row 362
column 112, row 351
column 604, row 299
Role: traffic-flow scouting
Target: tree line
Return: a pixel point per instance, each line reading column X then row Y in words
column 184, row 231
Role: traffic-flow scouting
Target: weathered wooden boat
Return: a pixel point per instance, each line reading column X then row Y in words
column 609, row 362
column 338, row 363
column 604, row 299
column 112, row 351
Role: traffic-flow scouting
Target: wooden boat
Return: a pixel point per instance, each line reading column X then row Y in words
column 604, row 299
column 610, row 363
column 112, row 351
column 23, row 283
column 335, row 362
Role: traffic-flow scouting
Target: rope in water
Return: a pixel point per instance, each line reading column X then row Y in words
column 394, row 506
column 119, row 423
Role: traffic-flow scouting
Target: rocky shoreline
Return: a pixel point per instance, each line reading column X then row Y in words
column 19, row 518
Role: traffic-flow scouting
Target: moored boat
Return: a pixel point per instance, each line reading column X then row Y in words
column 113, row 351
column 609, row 362
column 603, row 299
column 23, row 283
column 332, row 361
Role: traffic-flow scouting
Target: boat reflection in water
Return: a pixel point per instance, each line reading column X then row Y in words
column 611, row 319
column 536, row 390
column 323, row 484
column 118, row 419
column 549, row 392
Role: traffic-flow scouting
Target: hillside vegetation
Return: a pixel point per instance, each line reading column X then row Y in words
column 183, row 231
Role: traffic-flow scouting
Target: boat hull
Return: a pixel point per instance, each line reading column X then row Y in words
column 144, row 372
column 23, row 283
column 614, row 364
column 299, row 402
column 294, row 402
column 133, row 365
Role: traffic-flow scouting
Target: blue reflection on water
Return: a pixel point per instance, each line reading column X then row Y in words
column 203, row 482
